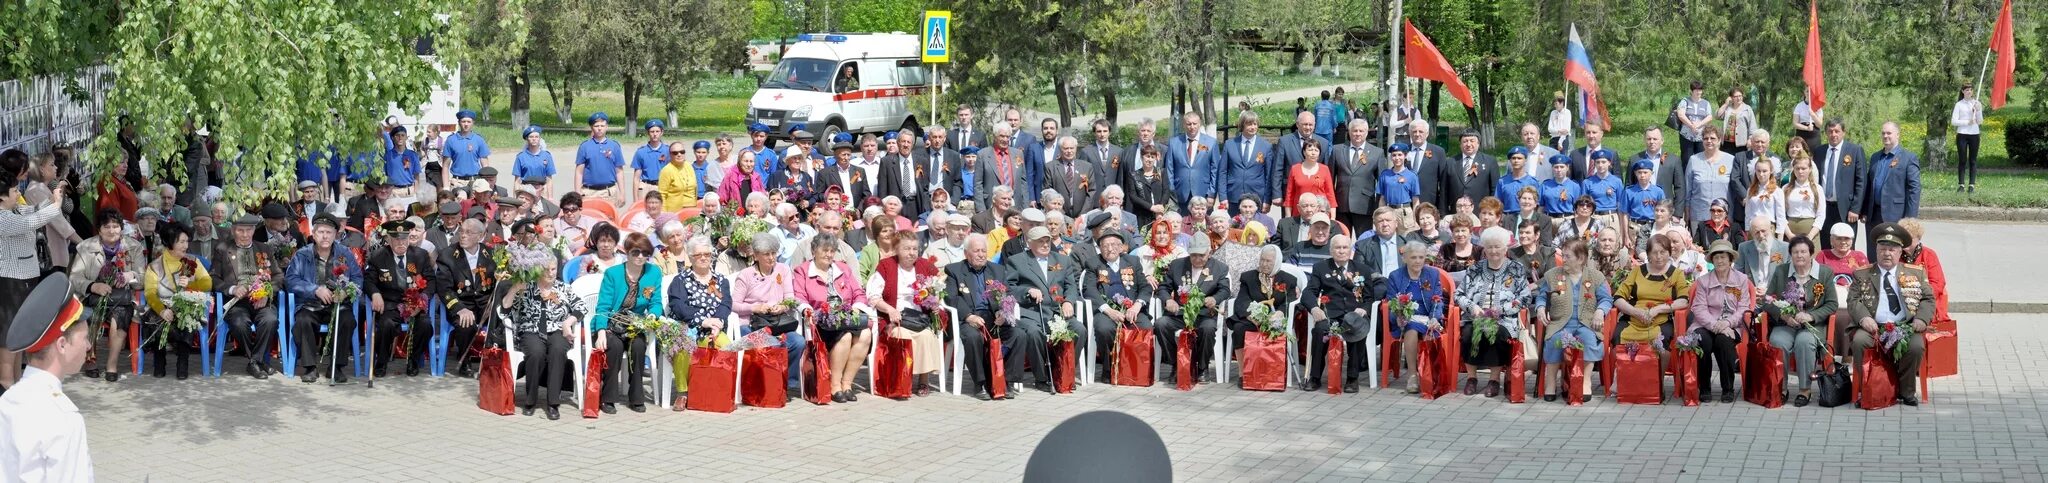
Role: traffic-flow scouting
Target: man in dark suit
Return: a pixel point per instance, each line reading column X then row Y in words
column 1006, row 165
column 1582, row 157
column 1894, row 186
column 1046, row 286
column 964, row 133
column 1197, row 170
column 1001, row 203
column 1133, row 154
column 1380, row 250
column 445, row 228
column 1432, row 168
column 1670, row 173
column 1107, row 158
column 392, row 269
column 969, row 298
column 1288, row 151
column 1843, row 174
column 1119, row 277
column 1477, row 172
column 910, row 176
column 1184, row 276
column 1355, row 167
column 1759, row 151
column 1248, row 165
column 467, row 279
column 1069, row 177
column 1339, row 292
column 844, row 173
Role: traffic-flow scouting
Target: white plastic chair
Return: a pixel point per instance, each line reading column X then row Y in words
column 1085, row 374
column 959, row 363
column 662, row 371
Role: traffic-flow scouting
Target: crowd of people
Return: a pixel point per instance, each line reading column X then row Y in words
column 1082, row 235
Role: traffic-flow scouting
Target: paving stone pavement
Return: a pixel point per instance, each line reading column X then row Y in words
column 1985, row 425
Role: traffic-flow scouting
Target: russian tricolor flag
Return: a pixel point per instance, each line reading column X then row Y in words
column 1578, row 69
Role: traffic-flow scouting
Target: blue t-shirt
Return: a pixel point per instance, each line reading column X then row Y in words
column 465, row 153
column 765, row 160
column 1642, row 202
column 600, row 161
column 649, row 160
column 1558, row 197
column 1509, row 193
column 1605, row 190
column 530, row 164
column 401, row 168
column 1399, row 187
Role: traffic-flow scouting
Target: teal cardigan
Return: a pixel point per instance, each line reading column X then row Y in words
column 612, row 294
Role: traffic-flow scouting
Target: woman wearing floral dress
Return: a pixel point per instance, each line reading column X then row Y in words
column 545, row 323
column 1459, row 254
column 702, row 300
column 1494, row 287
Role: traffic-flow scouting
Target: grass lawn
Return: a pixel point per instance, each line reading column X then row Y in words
column 718, row 106
column 2005, row 189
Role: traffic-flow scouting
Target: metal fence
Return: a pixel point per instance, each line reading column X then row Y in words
column 40, row 113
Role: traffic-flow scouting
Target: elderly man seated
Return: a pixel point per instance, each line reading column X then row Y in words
column 1891, row 296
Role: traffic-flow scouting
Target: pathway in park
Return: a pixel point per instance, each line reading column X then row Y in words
column 1160, row 112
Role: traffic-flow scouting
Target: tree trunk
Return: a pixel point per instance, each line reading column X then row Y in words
column 520, row 102
column 632, row 97
column 1294, row 61
column 1317, row 69
column 1062, row 96
column 1436, row 90
column 484, row 96
column 1109, row 103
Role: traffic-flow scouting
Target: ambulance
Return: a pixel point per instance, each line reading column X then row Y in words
column 842, row 82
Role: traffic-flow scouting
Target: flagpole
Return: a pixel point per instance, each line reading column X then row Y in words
column 1397, row 32
column 1986, row 68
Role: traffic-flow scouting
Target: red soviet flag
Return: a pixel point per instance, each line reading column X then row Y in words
column 2001, row 41
column 1425, row 62
column 1816, row 85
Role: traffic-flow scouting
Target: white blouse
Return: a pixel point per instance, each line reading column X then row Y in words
column 906, row 290
column 1766, row 206
column 1804, row 201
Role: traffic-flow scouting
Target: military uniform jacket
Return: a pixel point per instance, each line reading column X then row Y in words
column 966, row 294
column 239, row 265
column 1129, row 275
column 463, row 285
column 387, row 277
column 1916, row 294
column 1214, row 282
column 1338, row 289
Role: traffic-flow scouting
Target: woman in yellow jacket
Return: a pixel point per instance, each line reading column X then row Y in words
column 678, row 182
column 171, row 273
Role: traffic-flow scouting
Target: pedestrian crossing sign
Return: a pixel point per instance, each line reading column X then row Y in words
column 937, row 32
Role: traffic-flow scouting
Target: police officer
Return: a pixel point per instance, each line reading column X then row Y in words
column 395, row 269
column 248, row 271
column 45, row 435
column 309, row 277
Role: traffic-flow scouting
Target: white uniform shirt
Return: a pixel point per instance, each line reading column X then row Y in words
column 44, row 436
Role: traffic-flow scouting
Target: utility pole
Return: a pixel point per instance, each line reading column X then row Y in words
column 1392, row 88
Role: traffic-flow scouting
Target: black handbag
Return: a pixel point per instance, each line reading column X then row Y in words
column 1671, row 117
column 778, row 324
column 1832, row 387
column 914, row 320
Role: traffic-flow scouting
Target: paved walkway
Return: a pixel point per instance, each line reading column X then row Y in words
column 1987, row 424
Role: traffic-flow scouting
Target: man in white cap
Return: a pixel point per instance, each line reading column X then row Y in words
column 1033, row 218
column 1046, row 286
column 42, row 436
column 949, row 246
column 1842, row 255
column 1184, row 277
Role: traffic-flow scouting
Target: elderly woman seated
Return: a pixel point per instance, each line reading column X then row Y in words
column 1493, row 292
column 896, row 282
column 1573, row 303
column 546, row 321
column 1423, row 319
column 828, row 286
column 1648, row 295
column 628, row 290
column 1807, row 287
column 1264, row 284
column 701, row 299
column 758, row 295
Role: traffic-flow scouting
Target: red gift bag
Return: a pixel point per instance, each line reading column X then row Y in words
column 1429, row 368
column 1184, row 361
column 1517, row 390
column 1940, row 355
column 1637, row 380
column 764, row 373
column 1574, row 376
column 1265, row 362
column 819, row 385
column 1878, row 386
column 892, row 367
column 712, row 373
column 1763, row 376
column 494, row 384
column 1133, row 364
column 1063, row 367
column 1333, row 365
column 593, row 384
column 1686, row 366
column 997, row 387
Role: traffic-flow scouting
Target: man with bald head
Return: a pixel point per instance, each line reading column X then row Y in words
column 1287, row 151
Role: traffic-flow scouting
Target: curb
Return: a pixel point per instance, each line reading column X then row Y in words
column 1982, row 213
column 1997, row 307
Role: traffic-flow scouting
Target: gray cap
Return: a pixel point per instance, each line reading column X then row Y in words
column 308, row 184
column 1036, row 233
column 248, row 219
column 1200, row 246
column 1034, row 215
column 148, row 212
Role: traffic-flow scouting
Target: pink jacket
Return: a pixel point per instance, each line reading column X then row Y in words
column 815, row 290
column 751, row 287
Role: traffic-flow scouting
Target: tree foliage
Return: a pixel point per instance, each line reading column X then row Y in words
column 268, row 80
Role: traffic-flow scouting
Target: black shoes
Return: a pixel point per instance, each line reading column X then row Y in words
column 1351, row 387
column 412, row 370
column 554, row 413
column 526, row 411
column 839, row 397
column 609, row 408
column 1800, row 401
column 1727, row 397
column 309, row 377
column 113, row 376
column 638, row 408
column 1910, row 401
column 258, row 372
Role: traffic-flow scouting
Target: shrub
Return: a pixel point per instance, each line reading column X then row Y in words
column 2026, row 140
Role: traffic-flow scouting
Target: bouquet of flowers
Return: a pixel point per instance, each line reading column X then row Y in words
column 715, row 227
column 742, row 230
column 343, row 288
column 1267, row 320
column 518, row 264
column 839, row 315
column 1567, row 340
column 1058, row 331
column 115, row 275
column 931, row 295
column 1159, row 263
column 1404, row 306
column 1894, row 337
column 661, row 330
column 1006, row 306
column 1125, row 303
column 790, row 303
column 1191, row 301
column 1690, row 342
column 188, row 308
column 415, row 298
column 1486, row 325
column 1787, row 305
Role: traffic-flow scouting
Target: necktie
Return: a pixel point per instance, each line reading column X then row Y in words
column 1834, row 153
column 1891, row 294
column 1193, row 145
column 1247, row 149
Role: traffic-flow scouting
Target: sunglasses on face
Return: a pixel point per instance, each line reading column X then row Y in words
column 640, row 253
column 678, row 153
